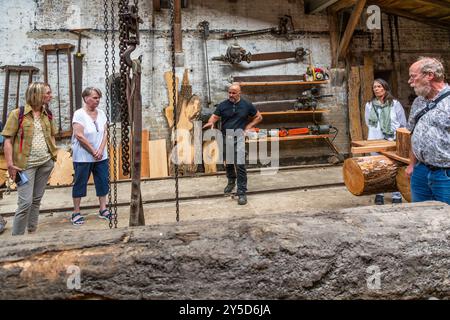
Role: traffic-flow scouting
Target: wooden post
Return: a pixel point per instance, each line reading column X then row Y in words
column 334, row 37
column 366, row 73
column 5, row 97
column 136, row 209
column 69, row 70
column 403, row 142
column 18, row 89
column 354, row 104
column 177, row 31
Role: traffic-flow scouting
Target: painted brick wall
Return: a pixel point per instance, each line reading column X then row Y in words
column 28, row 24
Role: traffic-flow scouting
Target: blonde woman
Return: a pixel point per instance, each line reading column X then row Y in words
column 30, row 152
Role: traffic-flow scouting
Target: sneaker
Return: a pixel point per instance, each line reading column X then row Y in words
column 104, row 214
column 397, row 200
column 77, row 219
column 2, row 224
column 229, row 188
column 379, row 200
column 242, row 199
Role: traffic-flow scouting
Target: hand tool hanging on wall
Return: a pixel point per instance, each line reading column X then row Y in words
column 204, row 30
column 19, row 70
column 67, row 48
column 236, row 54
column 78, row 67
column 284, row 28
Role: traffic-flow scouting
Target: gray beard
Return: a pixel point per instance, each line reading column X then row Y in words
column 422, row 91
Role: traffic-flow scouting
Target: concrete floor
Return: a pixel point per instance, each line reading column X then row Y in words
column 307, row 196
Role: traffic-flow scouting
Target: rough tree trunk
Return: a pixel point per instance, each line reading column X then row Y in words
column 370, row 175
column 302, row 255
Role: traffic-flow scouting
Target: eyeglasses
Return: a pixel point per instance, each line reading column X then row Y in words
column 96, row 126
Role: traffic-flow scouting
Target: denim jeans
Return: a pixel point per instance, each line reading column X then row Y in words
column 427, row 184
column 235, row 165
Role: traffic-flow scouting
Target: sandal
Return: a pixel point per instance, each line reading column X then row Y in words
column 104, row 214
column 77, row 219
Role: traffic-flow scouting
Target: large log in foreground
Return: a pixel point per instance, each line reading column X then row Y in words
column 381, row 252
column 370, row 175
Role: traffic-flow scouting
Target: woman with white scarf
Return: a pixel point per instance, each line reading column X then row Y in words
column 384, row 115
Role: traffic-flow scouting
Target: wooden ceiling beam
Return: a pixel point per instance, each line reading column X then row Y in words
column 351, row 25
column 408, row 15
column 342, row 4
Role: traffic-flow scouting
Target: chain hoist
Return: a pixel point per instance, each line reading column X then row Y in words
column 124, row 70
column 110, row 110
column 172, row 49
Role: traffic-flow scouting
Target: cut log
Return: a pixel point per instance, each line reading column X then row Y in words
column 403, row 142
column 331, row 254
column 370, row 175
column 62, row 174
column 403, row 183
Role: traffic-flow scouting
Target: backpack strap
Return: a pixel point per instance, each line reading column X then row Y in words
column 21, row 133
column 430, row 106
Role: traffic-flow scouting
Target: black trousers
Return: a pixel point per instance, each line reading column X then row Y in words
column 236, row 169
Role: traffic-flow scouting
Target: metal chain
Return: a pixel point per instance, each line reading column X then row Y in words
column 124, row 70
column 107, row 100
column 172, row 48
column 114, row 113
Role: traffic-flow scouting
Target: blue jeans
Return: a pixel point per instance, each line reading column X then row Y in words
column 427, row 184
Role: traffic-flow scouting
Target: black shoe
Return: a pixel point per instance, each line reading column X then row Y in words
column 242, row 199
column 229, row 188
column 379, row 200
column 397, row 200
column 2, row 225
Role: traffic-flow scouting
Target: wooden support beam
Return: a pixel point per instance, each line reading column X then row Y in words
column 342, row 5
column 353, row 21
column 367, row 77
column 353, row 104
column 410, row 16
column 177, row 31
column 156, row 5
column 334, row 36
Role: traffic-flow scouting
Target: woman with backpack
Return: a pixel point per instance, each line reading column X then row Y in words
column 30, row 152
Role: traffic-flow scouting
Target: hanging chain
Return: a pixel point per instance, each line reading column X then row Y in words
column 124, row 71
column 172, row 48
column 114, row 113
column 107, row 100
column 111, row 102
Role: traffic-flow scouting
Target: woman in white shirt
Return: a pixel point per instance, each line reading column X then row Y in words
column 89, row 153
column 384, row 115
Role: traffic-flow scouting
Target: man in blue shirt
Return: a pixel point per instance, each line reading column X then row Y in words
column 237, row 116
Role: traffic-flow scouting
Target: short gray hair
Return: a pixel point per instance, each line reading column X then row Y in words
column 429, row 64
column 88, row 91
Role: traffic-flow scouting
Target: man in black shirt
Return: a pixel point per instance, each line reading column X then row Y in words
column 236, row 116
